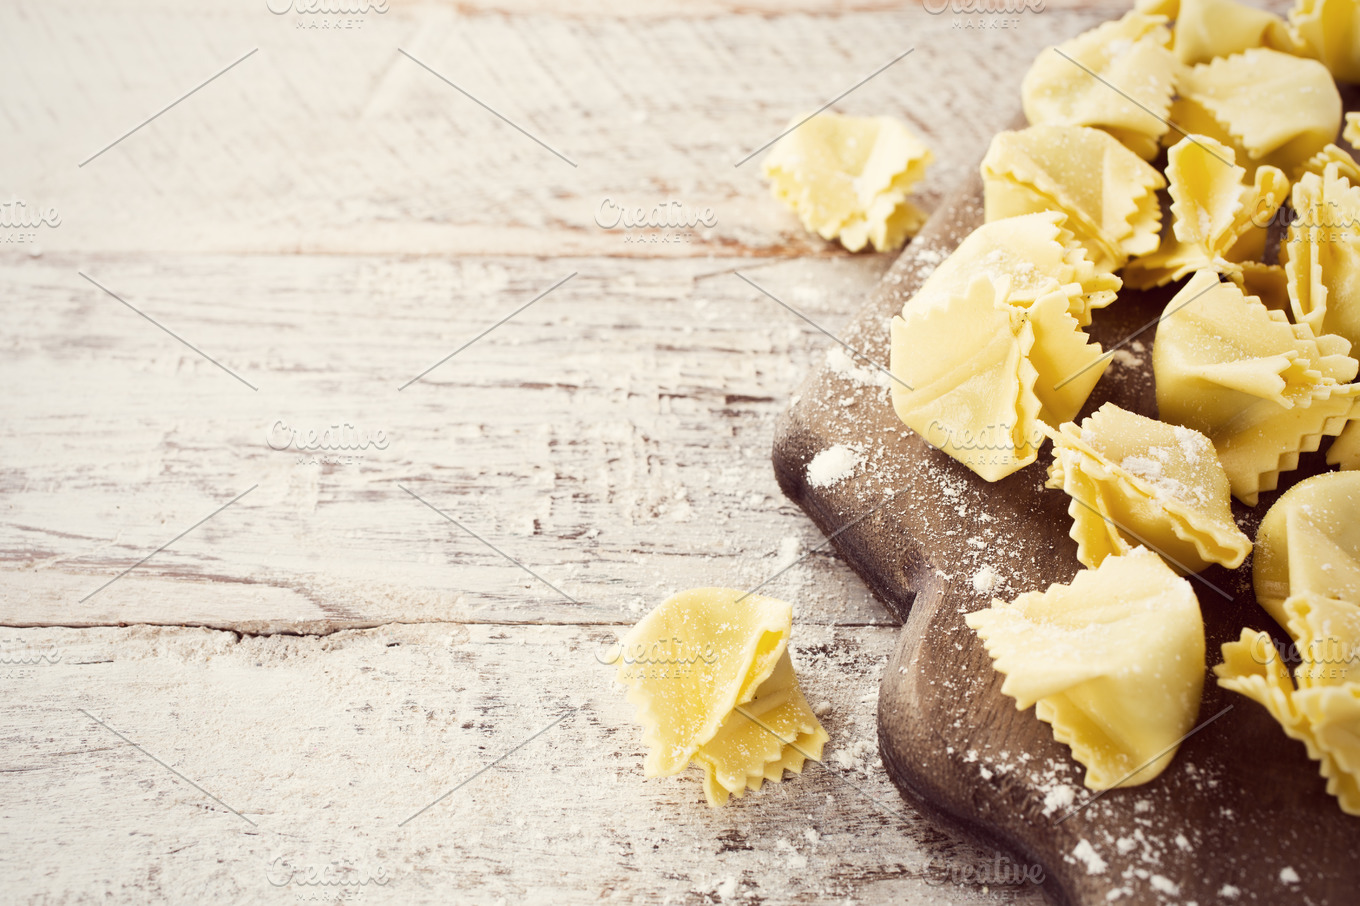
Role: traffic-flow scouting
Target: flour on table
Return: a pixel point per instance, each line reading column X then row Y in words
column 985, row 580
column 832, row 465
column 1086, row 854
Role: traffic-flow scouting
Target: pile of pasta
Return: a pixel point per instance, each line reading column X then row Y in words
column 1254, row 363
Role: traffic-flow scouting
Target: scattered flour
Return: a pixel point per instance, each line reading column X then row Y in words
column 727, row 889
column 1164, row 885
column 1059, row 797
column 1229, row 892
column 832, row 465
column 1288, row 875
column 1086, row 854
column 985, row 581
column 841, row 362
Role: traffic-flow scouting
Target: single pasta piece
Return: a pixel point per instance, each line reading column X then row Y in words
column 1037, row 253
column 1113, row 661
column 976, row 374
column 1346, row 166
column 1108, row 193
column 1135, row 481
column 848, row 178
column 1309, row 544
column 1219, row 222
column 1329, row 30
column 1131, row 54
column 1206, row 29
column 710, row 674
column 1321, row 253
column 1262, row 389
column 1352, row 131
column 1321, row 707
column 1269, row 107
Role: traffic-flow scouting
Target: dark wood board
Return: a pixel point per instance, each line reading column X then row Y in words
column 1240, row 804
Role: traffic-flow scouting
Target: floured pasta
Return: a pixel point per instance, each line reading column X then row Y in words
column 1322, row 255
column 710, row 674
column 848, row 178
column 1108, row 193
column 1039, row 256
column 1113, row 661
column 1206, row 29
column 1321, row 707
column 983, row 373
column 1329, row 30
column 1352, row 131
column 1130, row 53
column 1309, row 544
column 1218, row 222
column 1135, row 481
column 1262, row 389
column 1269, row 107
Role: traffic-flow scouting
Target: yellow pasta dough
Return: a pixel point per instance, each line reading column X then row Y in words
column 1108, row 193
column 1135, row 481
column 1262, row 389
column 1113, row 661
column 1218, row 222
column 848, row 178
column 1352, row 131
column 710, row 674
column 1309, row 543
column 1039, row 256
column 1329, row 30
column 1269, row 107
column 1346, row 166
column 1322, row 255
column 983, row 372
column 1206, row 29
column 1321, row 707
column 1131, row 54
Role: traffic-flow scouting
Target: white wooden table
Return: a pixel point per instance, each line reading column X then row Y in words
column 294, row 674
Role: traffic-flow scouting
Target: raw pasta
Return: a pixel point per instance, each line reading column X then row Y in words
column 1219, row 28
column 1263, row 390
column 1269, row 107
column 1113, row 661
column 710, row 674
column 1108, row 193
column 1329, row 30
column 983, row 373
column 1137, row 481
column 1130, row 53
column 1309, row 544
column 1321, row 707
column 1322, row 255
column 848, row 178
column 1219, row 223
column 1039, row 256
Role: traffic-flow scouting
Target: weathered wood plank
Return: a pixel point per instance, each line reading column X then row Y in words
column 336, row 741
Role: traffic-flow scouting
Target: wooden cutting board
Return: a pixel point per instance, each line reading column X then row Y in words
column 1240, row 808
